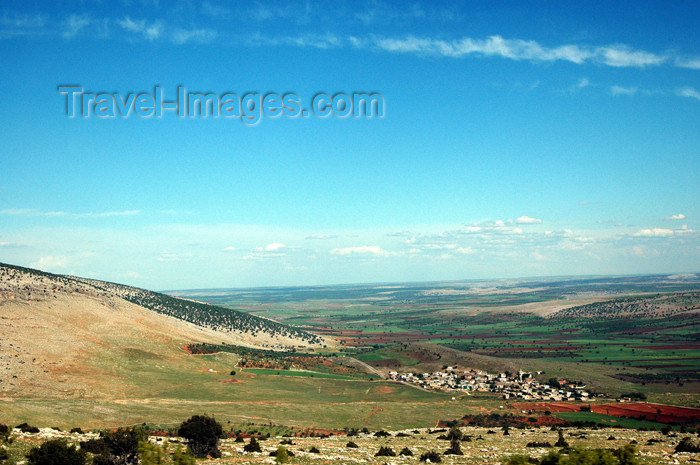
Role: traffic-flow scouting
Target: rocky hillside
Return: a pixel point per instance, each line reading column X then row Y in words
column 61, row 334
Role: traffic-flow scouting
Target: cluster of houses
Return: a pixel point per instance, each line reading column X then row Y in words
column 520, row 385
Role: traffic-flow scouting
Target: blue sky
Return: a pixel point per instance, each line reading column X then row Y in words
column 515, row 142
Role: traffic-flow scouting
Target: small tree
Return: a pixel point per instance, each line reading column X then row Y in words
column 431, row 456
column 123, row 445
column 252, row 446
column 687, row 445
column 282, row 456
column 454, row 433
column 202, row 434
column 454, row 449
column 385, row 451
column 56, row 452
column 561, row 442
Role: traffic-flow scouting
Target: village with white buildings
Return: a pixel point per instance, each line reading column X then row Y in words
column 520, row 385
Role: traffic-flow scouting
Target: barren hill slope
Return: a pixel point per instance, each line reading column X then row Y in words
column 64, row 336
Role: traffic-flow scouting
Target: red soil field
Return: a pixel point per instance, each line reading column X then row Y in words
column 690, row 346
column 638, row 410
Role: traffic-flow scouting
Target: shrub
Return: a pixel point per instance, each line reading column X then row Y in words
column 239, row 438
column 561, row 442
column 4, row 432
column 687, row 445
column 56, row 452
column 94, row 446
column 25, row 428
column 77, row 430
column 3, row 455
column 252, row 446
column 385, row 451
column 314, row 450
column 454, row 433
column 202, row 434
column 454, row 449
column 281, row 455
column 538, row 444
column 406, row 452
column 432, row 457
column 381, row 434
column 351, row 445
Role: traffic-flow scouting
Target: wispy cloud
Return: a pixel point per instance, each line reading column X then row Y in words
column 74, row 24
column 322, row 236
column 361, row 250
column 688, row 92
column 199, row 36
column 619, row 90
column 16, row 24
column 518, row 49
column 624, row 56
column 142, row 28
column 692, row 63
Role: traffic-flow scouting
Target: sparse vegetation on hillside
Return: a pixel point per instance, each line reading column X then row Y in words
column 13, row 282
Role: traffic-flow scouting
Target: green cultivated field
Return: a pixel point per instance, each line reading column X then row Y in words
column 616, row 334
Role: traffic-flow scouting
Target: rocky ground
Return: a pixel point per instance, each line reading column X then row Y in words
column 487, row 446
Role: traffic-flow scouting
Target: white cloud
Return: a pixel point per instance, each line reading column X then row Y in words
column 199, row 36
column 528, row 220
column 274, row 246
column 14, row 24
column 619, row 90
column 688, row 92
column 654, row 232
column 74, row 24
column 679, row 216
column 517, row 49
column 360, row 250
column 49, row 262
column 230, row 248
column 151, row 31
column 322, row 236
column 691, row 63
column 623, row 56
